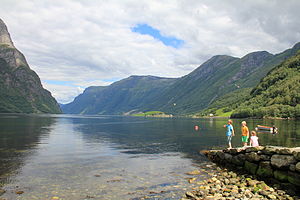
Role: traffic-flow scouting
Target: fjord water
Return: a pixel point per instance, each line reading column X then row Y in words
column 113, row 157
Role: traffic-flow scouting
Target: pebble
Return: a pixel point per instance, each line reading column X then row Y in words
column 19, row 192
column 229, row 185
column 2, row 191
column 191, row 180
column 195, row 172
column 271, row 196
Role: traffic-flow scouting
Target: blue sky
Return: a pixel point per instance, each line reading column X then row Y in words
column 55, row 82
column 145, row 29
column 74, row 84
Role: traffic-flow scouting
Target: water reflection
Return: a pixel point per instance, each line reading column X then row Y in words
column 151, row 136
column 19, row 136
column 109, row 157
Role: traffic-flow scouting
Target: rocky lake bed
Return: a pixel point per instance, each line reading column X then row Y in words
column 227, row 184
column 268, row 172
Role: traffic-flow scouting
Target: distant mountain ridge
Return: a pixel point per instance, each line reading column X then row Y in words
column 130, row 94
column 216, row 77
column 21, row 90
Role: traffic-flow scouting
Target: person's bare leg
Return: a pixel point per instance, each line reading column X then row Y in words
column 230, row 147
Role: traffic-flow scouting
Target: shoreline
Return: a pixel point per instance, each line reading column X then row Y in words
column 268, row 172
column 227, row 184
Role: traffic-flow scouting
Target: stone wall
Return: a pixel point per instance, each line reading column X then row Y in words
column 277, row 164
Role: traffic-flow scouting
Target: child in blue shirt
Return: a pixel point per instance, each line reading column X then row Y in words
column 229, row 132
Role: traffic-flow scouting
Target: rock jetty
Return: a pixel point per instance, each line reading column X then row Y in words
column 274, row 164
column 268, row 172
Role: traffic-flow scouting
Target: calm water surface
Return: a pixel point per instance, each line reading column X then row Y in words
column 109, row 157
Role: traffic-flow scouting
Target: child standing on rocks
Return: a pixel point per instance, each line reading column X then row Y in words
column 254, row 139
column 245, row 133
column 229, row 132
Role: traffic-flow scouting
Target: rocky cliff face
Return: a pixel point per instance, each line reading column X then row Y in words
column 21, row 90
column 4, row 35
column 8, row 52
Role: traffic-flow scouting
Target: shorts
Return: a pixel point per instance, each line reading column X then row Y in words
column 244, row 138
column 229, row 137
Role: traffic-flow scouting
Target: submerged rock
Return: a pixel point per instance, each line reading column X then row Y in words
column 19, row 192
column 191, row 180
column 195, row 172
column 2, row 192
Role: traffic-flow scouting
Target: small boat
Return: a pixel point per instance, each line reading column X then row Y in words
column 261, row 128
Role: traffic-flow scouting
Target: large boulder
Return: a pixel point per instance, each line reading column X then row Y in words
column 251, row 167
column 265, row 157
column 282, row 161
column 281, row 175
column 270, row 150
column 228, row 157
column 265, row 170
column 285, row 151
column 254, row 149
column 238, row 160
column 297, row 167
column 294, row 178
column 297, row 155
column 221, row 155
column 252, row 157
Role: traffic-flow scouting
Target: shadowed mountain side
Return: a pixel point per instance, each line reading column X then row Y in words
column 21, row 90
column 132, row 94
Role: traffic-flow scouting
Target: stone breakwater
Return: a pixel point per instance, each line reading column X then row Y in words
column 276, row 165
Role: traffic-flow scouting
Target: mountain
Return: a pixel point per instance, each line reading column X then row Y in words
column 21, row 90
column 132, row 94
column 226, row 104
column 277, row 94
column 219, row 76
column 196, row 91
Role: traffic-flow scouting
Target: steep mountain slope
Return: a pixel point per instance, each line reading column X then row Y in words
column 218, row 76
column 128, row 95
column 21, row 90
column 227, row 103
column 277, row 95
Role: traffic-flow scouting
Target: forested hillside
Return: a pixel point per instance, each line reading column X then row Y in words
column 129, row 95
column 277, row 95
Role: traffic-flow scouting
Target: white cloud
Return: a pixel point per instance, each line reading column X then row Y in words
column 63, row 93
column 88, row 42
